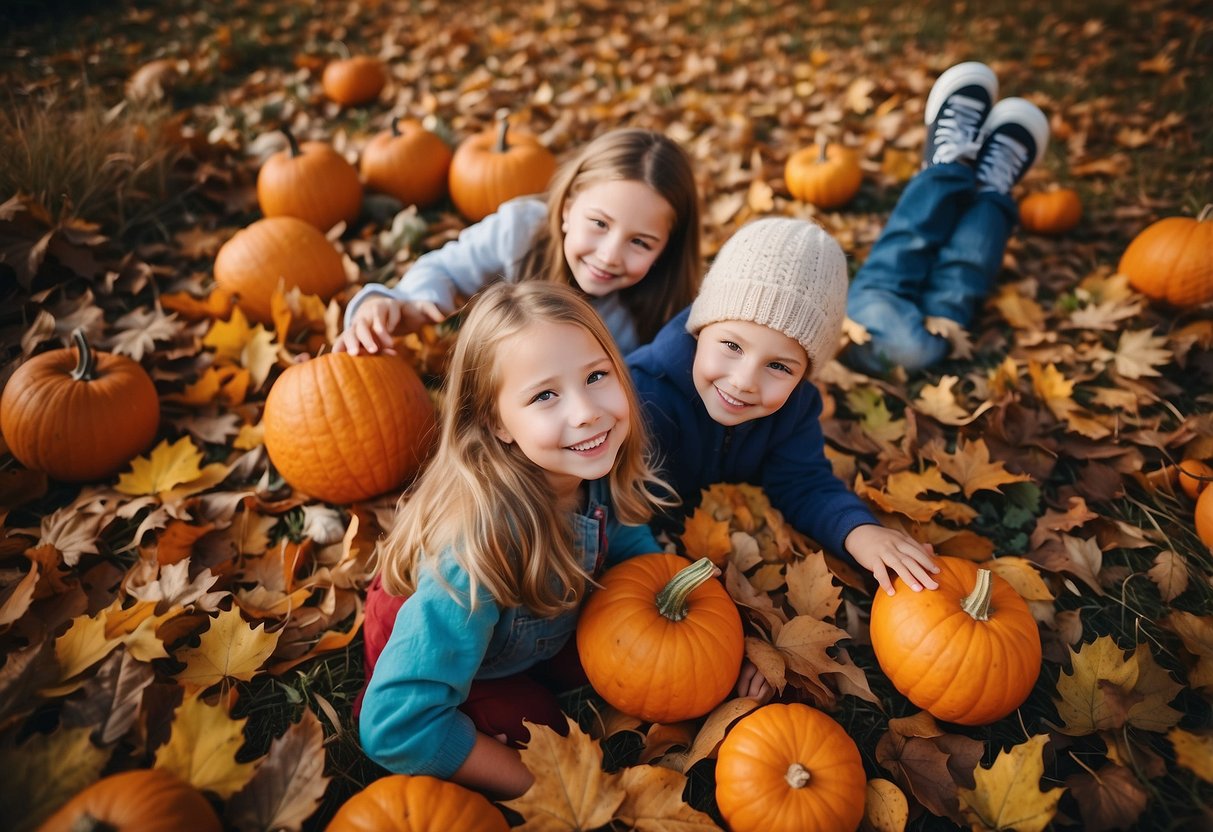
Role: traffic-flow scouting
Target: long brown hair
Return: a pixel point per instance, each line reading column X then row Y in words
column 481, row 499
column 657, row 161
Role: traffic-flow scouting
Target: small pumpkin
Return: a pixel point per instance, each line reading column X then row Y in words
column 789, row 768
column 1194, row 476
column 1203, row 517
column 968, row 652
column 1054, row 211
column 353, row 80
column 408, row 162
column 496, row 165
column 417, row 803
column 826, row 175
column 1172, row 260
column 77, row 414
column 145, row 800
column 344, row 428
column 311, row 181
column 660, row 639
column 273, row 251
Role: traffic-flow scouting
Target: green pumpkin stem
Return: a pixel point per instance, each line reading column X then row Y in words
column 672, row 600
column 977, row 604
column 797, row 776
column 503, row 126
column 290, row 137
column 86, row 364
column 88, row 823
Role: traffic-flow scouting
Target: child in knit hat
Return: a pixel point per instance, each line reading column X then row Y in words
column 726, row 396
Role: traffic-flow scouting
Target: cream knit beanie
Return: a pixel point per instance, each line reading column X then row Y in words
column 786, row 274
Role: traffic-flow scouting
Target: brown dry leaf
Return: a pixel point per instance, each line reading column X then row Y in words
column 43, row 773
column 289, row 782
column 1196, row 633
column 1079, row 557
column 226, row 384
column 571, row 791
column 176, row 541
column 927, row 763
column 17, row 596
column 903, row 490
column 708, row 740
column 1019, row 311
column 230, row 649
column 885, row 808
column 1007, row 795
column 170, row 471
column 1194, row 752
column 1088, row 700
column 811, row 589
column 1156, row 689
column 858, row 96
column 112, row 699
column 706, row 537
column 957, row 336
column 1139, row 353
column 202, row 747
column 803, row 642
column 1170, row 574
column 939, row 402
column 654, row 802
column 970, row 466
column 216, row 306
column 662, row 738
column 1111, row 798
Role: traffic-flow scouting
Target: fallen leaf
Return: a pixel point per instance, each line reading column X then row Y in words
column 289, row 782
column 230, row 649
column 1086, row 703
column 885, row 808
column 1194, row 752
column 1139, row 353
column 706, row 537
column 202, row 748
column 811, row 588
column 654, row 802
column 970, row 466
column 1007, row 795
column 1170, row 574
column 170, row 469
column 46, row 771
column 1111, row 798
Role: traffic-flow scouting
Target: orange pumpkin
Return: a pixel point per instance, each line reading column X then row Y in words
column 789, row 768
column 1194, row 476
column 344, row 428
column 659, row 639
column 147, row 800
column 310, row 181
column 356, row 80
column 1055, row 211
column 416, row 803
column 1172, row 260
column 496, row 165
column 408, row 162
column 825, row 175
column 967, row 652
column 79, row 415
column 273, row 251
column 1203, row 516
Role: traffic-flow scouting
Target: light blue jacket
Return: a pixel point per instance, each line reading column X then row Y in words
column 486, row 251
column 410, row 721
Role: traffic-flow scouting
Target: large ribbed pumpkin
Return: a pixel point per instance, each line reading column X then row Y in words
column 417, row 803
column 408, row 162
column 825, row 175
column 277, row 250
column 789, row 768
column 147, row 800
column 661, row 639
column 497, row 165
column 311, row 181
column 1172, row 260
column 345, row 428
column 967, row 652
column 79, row 415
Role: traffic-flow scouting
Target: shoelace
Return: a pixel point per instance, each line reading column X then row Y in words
column 1002, row 164
column 956, row 131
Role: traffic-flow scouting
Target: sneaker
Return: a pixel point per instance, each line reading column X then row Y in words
column 956, row 109
column 1015, row 136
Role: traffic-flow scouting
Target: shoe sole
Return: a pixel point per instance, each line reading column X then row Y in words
column 970, row 73
column 1024, row 113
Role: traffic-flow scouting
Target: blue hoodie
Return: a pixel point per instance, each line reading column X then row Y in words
column 784, row 452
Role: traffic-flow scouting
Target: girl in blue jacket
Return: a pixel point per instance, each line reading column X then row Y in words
column 620, row 223
column 726, row 397
column 542, row 460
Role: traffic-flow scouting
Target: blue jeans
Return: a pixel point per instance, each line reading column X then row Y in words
column 937, row 257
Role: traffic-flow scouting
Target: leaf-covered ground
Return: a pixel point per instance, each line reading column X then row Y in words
column 195, row 615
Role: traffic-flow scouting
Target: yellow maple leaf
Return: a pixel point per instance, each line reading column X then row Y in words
column 939, row 402
column 1155, row 688
column 249, row 437
column 1092, row 693
column 227, row 384
column 1022, row 575
column 571, row 791
column 217, row 305
column 1004, row 379
column 1052, row 387
column 1019, row 311
column 170, row 471
column 707, row 537
column 1007, row 795
column 202, row 746
column 1194, row 752
column 654, row 801
column 85, row 643
column 971, row 467
column 230, row 649
column 227, row 338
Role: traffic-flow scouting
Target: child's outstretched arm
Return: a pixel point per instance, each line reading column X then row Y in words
column 879, row 549
column 376, row 318
column 494, row 768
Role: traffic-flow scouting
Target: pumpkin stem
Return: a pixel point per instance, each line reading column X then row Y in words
column 290, row 138
column 672, row 600
column 503, row 125
column 88, row 823
column 1205, row 213
column 823, row 144
column 977, row 604
column 797, row 776
column 86, row 364
column 395, row 126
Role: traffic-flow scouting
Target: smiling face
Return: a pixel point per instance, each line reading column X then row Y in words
column 744, row 370
column 561, row 400
column 614, row 231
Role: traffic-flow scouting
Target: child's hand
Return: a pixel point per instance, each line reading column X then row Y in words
column 879, row 549
column 752, row 684
column 377, row 318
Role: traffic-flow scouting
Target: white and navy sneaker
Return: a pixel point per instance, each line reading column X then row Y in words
column 956, row 109
column 1015, row 136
